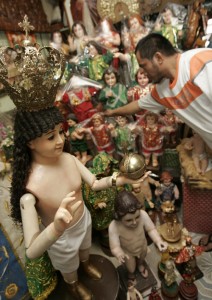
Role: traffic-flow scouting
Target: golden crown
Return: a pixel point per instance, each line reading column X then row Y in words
column 31, row 75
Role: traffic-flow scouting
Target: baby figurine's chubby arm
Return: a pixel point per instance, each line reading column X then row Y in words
column 115, row 245
column 37, row 242
column 155, row 236
column 153, row 233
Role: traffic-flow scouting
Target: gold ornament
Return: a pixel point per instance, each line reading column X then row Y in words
column 116, row 10
column 38, row 73
column 11, row 291
column 132, row 166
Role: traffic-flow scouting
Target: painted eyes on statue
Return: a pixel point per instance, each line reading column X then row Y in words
column 53, row 135
column 130, row 220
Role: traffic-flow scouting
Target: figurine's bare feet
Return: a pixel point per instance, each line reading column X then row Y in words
column 155, row 162
column 85, row 158
column 143, row 271
column 147, row 160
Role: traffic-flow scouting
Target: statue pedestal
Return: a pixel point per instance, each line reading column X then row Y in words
column 188, row 291
column 107, row 287
column 169, row 292
column 142, row 284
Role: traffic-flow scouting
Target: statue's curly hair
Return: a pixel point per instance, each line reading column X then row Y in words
column 27, row 127
column 125, row 203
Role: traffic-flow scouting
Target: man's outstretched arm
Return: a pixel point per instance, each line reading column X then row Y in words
column 128, row 109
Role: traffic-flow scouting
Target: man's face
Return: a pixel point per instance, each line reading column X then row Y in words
column 151, row 68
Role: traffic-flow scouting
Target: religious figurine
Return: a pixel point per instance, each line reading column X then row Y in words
column 141, row 89
column 167, row 28
column 95, row 60
column 128, row 65
column 206, row 242
column 114, row 94
column 124, row 139
column 127, row 234
column 154, row 294
column 169, row 119
column 101, row 203
column 78, row 142
column 51, row 211
column 169, row 284
column 79, row 99
column 108, row 37
column 137, row 28
column 143, row 192
column 56, row 41
column 168, row 191
column 199, row 155
column 100, row 134
column 152, row 134
column 78, row 41
column 187, row 259
column 133, row 293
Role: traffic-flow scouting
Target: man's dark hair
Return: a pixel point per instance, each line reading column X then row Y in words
column 152, row 43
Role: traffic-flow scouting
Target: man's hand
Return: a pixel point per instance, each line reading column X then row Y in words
column 108, row 113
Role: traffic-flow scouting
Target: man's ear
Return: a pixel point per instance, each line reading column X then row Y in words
column 159, row 57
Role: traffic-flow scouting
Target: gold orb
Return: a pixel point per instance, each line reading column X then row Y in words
column 132, row 166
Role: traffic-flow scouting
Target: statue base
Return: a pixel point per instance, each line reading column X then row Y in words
column 108, row 285
column 170, row 292
column 142, row 284
column 188, row 291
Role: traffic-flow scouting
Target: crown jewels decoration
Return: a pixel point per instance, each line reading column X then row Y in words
column 31, row 75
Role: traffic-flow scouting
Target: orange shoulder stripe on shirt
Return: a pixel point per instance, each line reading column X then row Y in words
column 182, row 100
column 198, row 61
